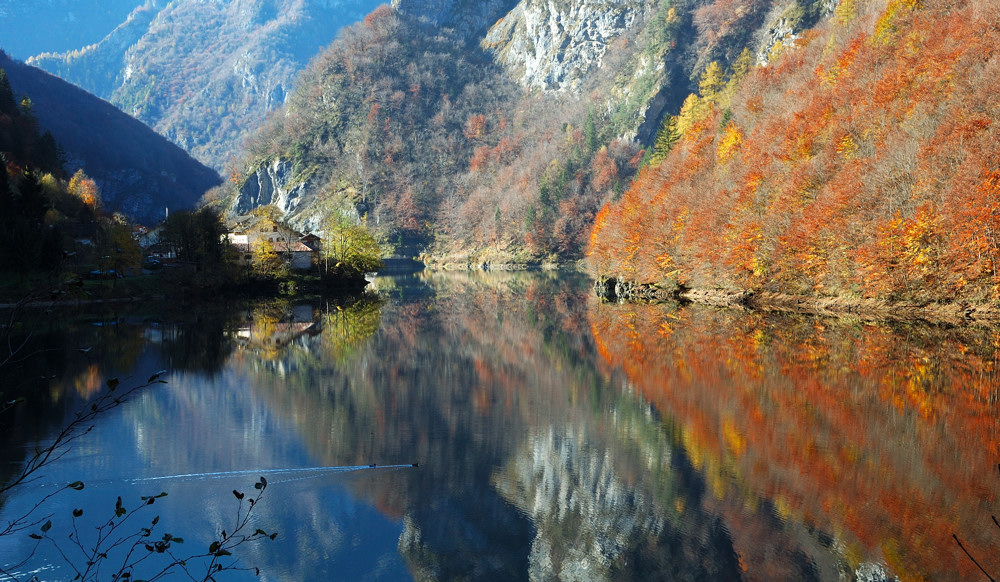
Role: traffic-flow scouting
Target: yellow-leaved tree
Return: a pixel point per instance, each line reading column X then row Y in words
column 349, row 247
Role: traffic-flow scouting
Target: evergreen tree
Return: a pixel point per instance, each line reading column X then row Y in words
column 742, row 65
column 590, row 132
column 666, row 137
column 198, row 237
column 49, row 157
column 25, row 243
column 8, row 106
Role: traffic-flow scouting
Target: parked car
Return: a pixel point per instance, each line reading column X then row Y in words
column 105, row 274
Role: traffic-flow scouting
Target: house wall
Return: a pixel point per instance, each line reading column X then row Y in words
column 302, row 260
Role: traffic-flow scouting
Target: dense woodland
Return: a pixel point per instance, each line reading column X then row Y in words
column 825, row 149
column 440, row 149
column 40, row 206
column 862, row 160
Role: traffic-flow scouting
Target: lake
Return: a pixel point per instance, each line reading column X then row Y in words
column 509, row 426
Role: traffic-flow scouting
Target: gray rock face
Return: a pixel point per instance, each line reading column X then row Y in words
column 553, row 44
column 871, row 572
column 270, row 184
column 781, row 33
column 783, row 25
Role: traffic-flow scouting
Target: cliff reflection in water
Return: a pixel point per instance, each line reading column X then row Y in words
column 532, row 463
column 885, row 436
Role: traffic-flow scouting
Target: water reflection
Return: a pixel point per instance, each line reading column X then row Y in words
column 556, row 438
column 884, row 436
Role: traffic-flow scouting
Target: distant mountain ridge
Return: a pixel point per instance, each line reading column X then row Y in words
column 140, row 173
column 29, row 27
column 204, row 73
column 99, row 67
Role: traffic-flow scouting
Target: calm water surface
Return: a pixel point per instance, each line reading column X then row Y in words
column 555, row 437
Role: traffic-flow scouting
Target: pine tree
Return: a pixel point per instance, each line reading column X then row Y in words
column 49, row 156
column 590, row 132
column 692, row 111
column 8, row 106
column 666, row 137
column 742, row 65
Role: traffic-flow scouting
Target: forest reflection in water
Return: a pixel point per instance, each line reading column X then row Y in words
column 886, row 436
column 557, row 437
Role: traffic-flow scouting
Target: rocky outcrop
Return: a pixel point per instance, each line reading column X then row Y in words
column 785, row 23
column 780, row 33
column 617, row 290
column 624, row 291
column 254, row 80
column 553, row 44
column 271, row 184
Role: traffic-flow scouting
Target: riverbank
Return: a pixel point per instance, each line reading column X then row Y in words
column 956, row 313
column 487, row 261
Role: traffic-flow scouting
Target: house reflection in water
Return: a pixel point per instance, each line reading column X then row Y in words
column 266, row 332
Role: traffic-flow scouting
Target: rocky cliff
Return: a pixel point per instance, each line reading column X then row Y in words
column 549, row 44
column 273, row 184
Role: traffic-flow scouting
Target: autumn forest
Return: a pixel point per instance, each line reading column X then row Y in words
column 861, row 160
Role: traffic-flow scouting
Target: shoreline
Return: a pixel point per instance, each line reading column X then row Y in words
column 961, row 313
column 187, row 295
column 956, row 313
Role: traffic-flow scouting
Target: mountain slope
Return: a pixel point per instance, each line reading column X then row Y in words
column 861, row 161
column 419, row 132
column 469, row 19
column 139, row 172
column 204, row 73
column 502, row 152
